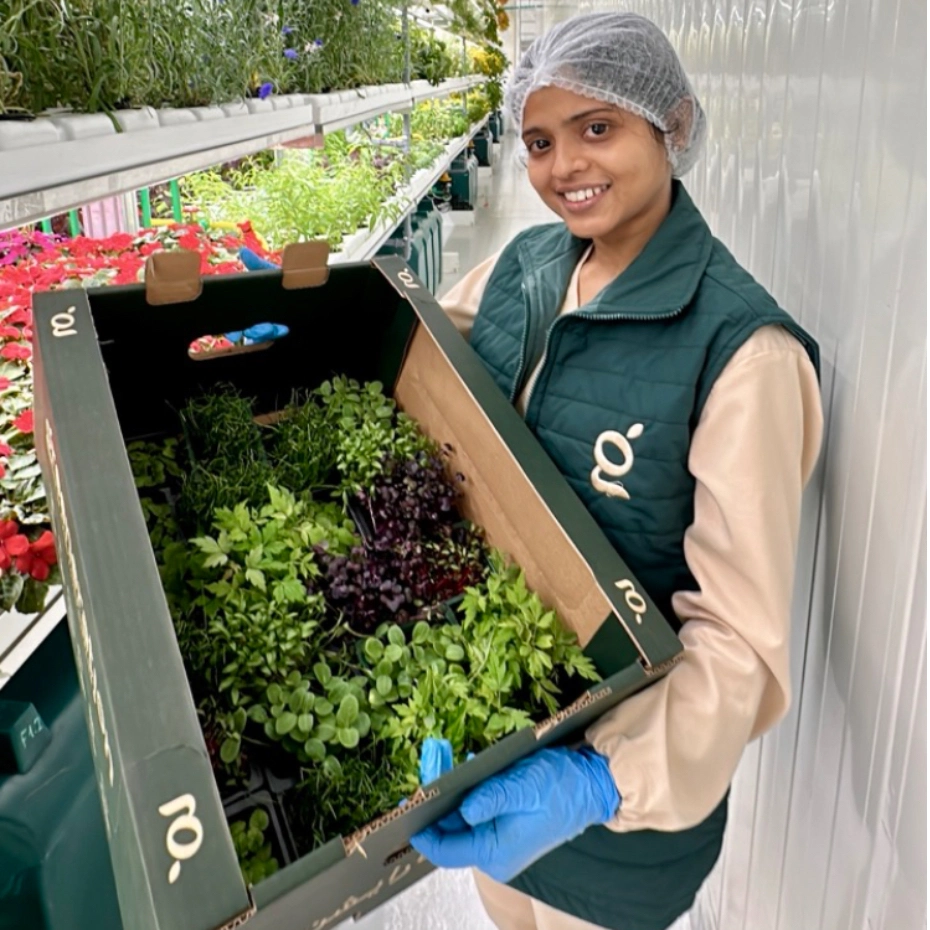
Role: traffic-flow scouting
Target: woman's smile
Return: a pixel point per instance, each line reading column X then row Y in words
column 583, row 198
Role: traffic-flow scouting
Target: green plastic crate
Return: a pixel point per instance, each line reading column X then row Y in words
column 55, row 871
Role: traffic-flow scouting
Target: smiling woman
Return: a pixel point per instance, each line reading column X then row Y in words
column 603, row 171
column 682, row 405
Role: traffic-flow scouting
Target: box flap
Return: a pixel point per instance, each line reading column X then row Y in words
column 304, row 264
column 512, row 513
column 164, row 821
column 172, row 277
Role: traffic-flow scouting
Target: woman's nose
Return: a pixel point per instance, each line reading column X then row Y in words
column 569, row 160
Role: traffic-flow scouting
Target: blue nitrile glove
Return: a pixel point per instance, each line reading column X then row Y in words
column 515, row 818
column 435, row 759
column 253, row 262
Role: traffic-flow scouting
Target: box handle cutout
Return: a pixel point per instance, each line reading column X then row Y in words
column 397, row 855
column 256, row 338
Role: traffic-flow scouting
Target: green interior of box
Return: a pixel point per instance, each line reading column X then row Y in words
column 356, row 325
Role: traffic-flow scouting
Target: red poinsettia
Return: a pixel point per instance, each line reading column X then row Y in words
column 4, row 383
column 25, row 422
column 20, row 317
column 9, row 530
column 28, row 558
column 38, row 558
column 15, row 351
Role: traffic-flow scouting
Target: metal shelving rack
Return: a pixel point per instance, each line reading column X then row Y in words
column 57, row 164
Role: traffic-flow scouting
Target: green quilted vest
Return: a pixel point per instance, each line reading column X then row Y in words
column 618, row 396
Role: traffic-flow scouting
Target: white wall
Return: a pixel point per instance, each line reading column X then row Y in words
column 815, row 175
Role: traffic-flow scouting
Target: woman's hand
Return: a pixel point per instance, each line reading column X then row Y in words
column 515, row 818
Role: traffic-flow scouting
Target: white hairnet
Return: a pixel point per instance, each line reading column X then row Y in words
column 623, row 59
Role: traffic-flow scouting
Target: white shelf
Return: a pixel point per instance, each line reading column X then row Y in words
column 56, row 163
column 21, row 635
column 423, row 90
column 348, row 107
column 365, row 243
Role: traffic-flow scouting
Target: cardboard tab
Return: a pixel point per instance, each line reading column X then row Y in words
column 172, row 278
column 304, row 264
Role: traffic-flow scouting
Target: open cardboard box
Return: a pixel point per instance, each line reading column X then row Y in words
column 112, row 365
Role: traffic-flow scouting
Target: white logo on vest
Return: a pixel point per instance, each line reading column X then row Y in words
column 612, row 469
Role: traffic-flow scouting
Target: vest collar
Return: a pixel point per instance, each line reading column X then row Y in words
column 659, row 282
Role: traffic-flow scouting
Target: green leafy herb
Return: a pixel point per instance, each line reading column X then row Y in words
column 256, row 859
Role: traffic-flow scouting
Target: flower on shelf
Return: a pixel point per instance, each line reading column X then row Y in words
column 39, row 557
column 17, row 553
column 291, row 53
column 265, row 90
column 15, row 352
column 287, row 30
column 25, row 422
column 35, row 262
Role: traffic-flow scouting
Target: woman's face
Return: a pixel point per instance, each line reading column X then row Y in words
column 601, row 169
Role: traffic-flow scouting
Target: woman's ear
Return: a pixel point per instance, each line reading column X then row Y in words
column 680, row 122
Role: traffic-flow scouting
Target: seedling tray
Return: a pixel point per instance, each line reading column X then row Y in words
column 174, row 863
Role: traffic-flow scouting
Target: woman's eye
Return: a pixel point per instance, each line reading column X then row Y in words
column 537, row 146
column 598, row 129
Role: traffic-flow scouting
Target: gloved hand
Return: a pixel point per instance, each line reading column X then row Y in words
column 254, row 262
column 435, row 759
column 515, row 818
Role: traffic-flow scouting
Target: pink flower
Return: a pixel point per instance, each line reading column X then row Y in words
column 25, row 422
column 14, row 351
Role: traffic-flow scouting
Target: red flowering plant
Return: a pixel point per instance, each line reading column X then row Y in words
column 34, row 261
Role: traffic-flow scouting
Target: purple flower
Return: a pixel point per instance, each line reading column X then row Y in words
column 355, row 2
column 287, row 30
column 290, row 53
column 265, row 90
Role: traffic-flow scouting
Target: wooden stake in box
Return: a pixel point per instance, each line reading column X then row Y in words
column 112, row 365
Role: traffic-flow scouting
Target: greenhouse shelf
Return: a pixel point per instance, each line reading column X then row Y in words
column 60, row 162
column 21, row 635
column 423, row 90
column 348, row 107
column 365, row 243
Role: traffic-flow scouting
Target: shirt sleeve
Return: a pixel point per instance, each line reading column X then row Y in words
column 674, row 747
column 463, row 299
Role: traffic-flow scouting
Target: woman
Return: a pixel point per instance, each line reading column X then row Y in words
column 627, row 317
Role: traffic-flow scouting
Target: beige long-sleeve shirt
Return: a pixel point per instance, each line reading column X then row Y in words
column 674, row 747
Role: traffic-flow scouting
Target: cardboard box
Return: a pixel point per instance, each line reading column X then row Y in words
column 112, row 365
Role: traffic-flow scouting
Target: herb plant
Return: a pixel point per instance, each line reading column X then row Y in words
column 417, row 552
column 256, row 859
column 474, row 681
column 369, row 431
column 227, row 463
column 342, row 611
column 245, row 620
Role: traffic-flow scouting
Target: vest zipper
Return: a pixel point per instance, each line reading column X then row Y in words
column 514, row 390
column 584, row 315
